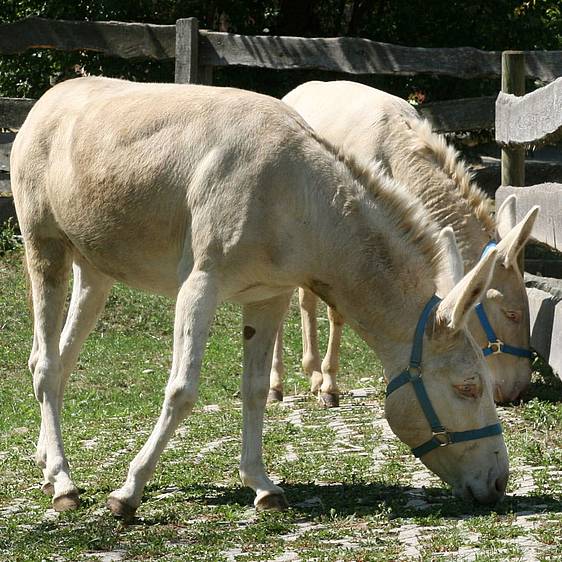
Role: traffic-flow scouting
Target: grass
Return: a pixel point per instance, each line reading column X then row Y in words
column 356, row 493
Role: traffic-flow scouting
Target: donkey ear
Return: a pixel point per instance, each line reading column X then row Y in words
column 452, row 264
column 514, row 241
column 505, row 217
column 454, row 308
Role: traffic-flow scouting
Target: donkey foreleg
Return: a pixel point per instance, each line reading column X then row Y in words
column 261, row 321
column 90, row 289
column 195, row 307
column 310, row 354
column 329, row 391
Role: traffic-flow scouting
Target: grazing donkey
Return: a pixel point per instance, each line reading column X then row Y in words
column 207, row 194
column 370, row 124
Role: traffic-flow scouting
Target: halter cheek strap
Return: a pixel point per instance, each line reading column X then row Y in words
column 440, row 437
column 495, row 345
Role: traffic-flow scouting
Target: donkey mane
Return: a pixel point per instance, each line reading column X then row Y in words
column 428, row 144
column 404, row 210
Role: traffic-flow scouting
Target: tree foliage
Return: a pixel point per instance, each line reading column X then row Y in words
column 498, row 25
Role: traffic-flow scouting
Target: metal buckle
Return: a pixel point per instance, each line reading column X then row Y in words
column 415, row 372
column 442, row 437
column 495, row 346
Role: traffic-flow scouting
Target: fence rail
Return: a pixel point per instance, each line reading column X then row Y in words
column 113, row 38
column 467, row 114
column 341, row 54
column 532, row 119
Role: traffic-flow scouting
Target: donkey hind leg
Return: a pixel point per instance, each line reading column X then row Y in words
column 329, row 391
column 277, row 368
column 90, row 289
column 310, row 355
column 48, row 263
column 261, row 321
column 195, row 307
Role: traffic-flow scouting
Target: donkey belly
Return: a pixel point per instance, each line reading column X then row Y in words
column 141, row 253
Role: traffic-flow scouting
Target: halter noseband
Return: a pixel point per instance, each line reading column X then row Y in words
column 495, row 345
column 413, row 374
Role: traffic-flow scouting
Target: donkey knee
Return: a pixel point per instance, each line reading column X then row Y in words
column 46, row 375
column 309, row 363
column 181, row 397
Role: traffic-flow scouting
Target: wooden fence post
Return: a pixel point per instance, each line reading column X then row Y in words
column 513, row 158
column 513, row 82
column 188, row 70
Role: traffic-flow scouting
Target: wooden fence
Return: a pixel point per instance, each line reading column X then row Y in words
column 525, row 121
column 197, row 52
column 529, row 120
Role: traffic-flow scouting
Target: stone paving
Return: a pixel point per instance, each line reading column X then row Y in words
column 359, row 409
column 346, row 423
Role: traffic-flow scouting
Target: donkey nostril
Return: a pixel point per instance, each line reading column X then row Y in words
column 500, row 484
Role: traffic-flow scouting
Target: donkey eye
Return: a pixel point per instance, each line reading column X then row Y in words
column 513, row 315
column 468, row 390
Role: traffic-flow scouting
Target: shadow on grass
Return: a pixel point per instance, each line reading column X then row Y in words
column 367, row 499
column 546, row 386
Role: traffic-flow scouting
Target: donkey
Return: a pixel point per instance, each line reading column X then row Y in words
column 210, row 194
column 371, row 124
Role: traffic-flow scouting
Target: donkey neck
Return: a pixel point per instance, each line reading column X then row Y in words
column 368, row 266
column 441, row 194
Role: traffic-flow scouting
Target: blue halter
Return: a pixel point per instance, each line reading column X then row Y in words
column 495, row 345
column 413, row 374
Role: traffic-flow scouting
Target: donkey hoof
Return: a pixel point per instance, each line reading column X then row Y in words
column 48, row 489
column 329, row 400
column 272, row 502
column 66, row 502
column 275, row 395
column 121, row 509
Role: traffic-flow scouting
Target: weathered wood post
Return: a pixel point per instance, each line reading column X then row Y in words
column 513, row 82
column 513, row 158
column 188, row 70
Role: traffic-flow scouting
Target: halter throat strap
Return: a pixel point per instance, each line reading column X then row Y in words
column 495, row 345
column 440, row 437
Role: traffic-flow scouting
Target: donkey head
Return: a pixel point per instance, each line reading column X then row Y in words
column 506, row 306
column 469, row 452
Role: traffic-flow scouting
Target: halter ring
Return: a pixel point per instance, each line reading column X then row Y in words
column 415, row 372
column 496, row 346
column 442, row 437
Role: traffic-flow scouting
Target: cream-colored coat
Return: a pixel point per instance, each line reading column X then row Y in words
column 207, row 194
column 370, row 124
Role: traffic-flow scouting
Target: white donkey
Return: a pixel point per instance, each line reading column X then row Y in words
column 206, row 194
column 370, row 124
